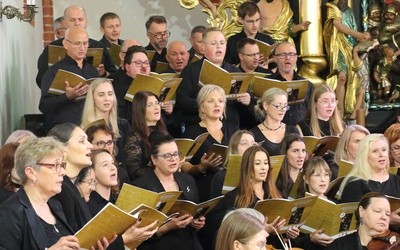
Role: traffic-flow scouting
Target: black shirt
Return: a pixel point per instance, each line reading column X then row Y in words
column 297, row 111
column 231, row 55
column 59, row 109
column 324, row 126
column 187, row 91
column 157, row 57
column 43, row 61
column 354, row 190
column 121, row 82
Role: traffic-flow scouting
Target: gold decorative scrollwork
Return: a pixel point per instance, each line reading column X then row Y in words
column 222, row 15
column 188, row 4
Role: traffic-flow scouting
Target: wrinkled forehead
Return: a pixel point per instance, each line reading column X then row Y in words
column 285, row 48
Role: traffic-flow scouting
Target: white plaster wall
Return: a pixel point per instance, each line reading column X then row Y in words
column 20, row 45
column 134, row 13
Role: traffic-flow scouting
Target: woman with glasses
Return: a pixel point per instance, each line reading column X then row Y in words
column 146, row 109
column 239, row 142
column 102, row 137
column 180, row 232
column 211, row 101
column 393, row 135
column 241, row 229
column 76, row 210
column 32, row 219
column 323, row 117
column 271, row 108
column 86, row 182
column 294, row 149
column 101, row 103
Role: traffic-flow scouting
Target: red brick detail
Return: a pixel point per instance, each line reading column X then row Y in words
column 47, row 11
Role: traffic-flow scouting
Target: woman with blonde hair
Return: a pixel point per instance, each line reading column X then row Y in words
column 212, row 103
column 370, row 171
column 323, row 116
column 101, row 103
column 241, row 230
column 349, row 141
column 271, row 108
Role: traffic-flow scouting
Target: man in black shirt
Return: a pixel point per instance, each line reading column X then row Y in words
column 135, row 62
column 177, row 57
column 67, row 107
column 249, row 55
column 195, row 40
column 110, row 26
column 249, row 16
column 74, row 16
column 285, row 56
column 214, row 44
column 158, row 34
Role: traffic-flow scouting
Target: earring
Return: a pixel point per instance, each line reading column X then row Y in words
column 34, row 180
column 221, row 117
column 361, row 221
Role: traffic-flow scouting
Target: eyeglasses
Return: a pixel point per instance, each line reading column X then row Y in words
column 91, row 183
column 284, row 55
column 216, row 43
column 153, row 104
column 257, row 54
column 170, row 156
column 78, row 44
column 252, row 21
column 281, row 107
column 319, row 175
column 56, row 166
column 325, row 103
column 160, row 35
column 139, row 63
column 102, row 144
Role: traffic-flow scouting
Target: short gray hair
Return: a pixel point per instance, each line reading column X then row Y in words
column 32, row 151
column 205, row 91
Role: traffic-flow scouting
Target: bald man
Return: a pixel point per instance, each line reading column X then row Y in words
column 67, row 107
column 124, row 47
column 177, row 57
column 75, row 16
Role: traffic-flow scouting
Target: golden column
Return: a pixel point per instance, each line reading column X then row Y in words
column 311, row 46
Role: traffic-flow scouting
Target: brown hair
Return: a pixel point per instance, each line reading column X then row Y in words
column 246, row 196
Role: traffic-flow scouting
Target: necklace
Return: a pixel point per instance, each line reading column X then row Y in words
column 272, row 129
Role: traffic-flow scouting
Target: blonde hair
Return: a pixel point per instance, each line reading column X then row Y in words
column 362, row 169
column 336, row 123
column 341, row 151
column 268, row 97
column 207, row 90
column 237, row 226
column 89, row 110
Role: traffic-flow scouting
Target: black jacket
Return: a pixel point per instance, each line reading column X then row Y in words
column 21, row 227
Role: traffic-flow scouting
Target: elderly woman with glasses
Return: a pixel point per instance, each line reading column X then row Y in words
column 272, row 108
column 32, row 219
column 180, row 233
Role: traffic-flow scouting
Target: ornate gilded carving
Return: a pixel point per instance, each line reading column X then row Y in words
column 221, row 14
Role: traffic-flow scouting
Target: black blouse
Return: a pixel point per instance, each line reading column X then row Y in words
column 354, row 190
column 272, row 147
